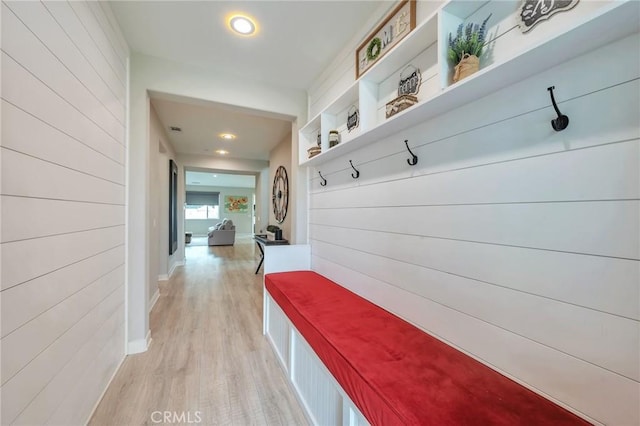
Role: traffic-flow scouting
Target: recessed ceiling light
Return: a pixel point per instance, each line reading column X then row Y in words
column 215, row 175
column 227, row 136
column 222, row 152
column 242, row 25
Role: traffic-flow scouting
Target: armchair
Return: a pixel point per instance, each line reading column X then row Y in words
column 223, row 234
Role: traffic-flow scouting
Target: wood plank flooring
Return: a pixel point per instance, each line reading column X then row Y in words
column 208, row 354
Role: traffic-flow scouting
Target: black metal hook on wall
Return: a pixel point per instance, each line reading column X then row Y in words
column 357, row 173
column 414, row 158
column 324, row 181
column 562, row 121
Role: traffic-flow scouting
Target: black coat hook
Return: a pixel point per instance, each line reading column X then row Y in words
column 414, row 158
column 324, row 181
column 562, row 121
column 357, row 173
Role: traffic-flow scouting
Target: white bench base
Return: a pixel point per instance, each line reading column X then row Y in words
column 321, row 396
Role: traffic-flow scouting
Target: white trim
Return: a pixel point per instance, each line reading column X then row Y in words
column 104, row 391
column 174, row 266
column 154, row 299
column 163, row 277
column 140, row 345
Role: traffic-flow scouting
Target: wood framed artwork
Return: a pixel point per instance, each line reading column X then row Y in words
column 173, row 207
column 400, row 22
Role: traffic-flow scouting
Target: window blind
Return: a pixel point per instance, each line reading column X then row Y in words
column 202, row 198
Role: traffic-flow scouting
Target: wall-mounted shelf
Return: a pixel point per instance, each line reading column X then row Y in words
column 587, row 32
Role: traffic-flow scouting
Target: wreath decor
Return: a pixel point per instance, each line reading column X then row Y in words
column 375, row 42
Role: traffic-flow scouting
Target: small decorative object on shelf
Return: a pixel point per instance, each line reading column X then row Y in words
column 319, row 139
column 466, row 48
column 408, row 87
column 400, row 22
column 353, row 118
column 313, row 151
column 334, row 138
column 534, row 11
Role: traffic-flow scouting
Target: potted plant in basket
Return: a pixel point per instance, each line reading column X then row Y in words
column 466, row 48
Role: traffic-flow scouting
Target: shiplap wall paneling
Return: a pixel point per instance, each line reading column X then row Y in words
column 514, row 243
column 486, row 129
column 566, row 380
column 63, row 208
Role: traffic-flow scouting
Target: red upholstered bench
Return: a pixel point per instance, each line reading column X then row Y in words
column 395, row 373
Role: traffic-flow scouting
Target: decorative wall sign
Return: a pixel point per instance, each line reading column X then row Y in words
column 400, row 22
column 236, row 204
column 408, row 87
column 534, row 11
column 280, row 194
column 410, row 80
column 353, row 118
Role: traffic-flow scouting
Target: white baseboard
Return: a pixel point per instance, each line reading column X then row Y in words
column 140, row 345
column 154, row 299
column 174, row 266
column 166, row 277
column 104, row 391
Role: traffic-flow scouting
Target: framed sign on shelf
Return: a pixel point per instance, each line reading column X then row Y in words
column 400, row 22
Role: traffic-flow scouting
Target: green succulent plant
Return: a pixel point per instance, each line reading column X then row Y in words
column 469, row 39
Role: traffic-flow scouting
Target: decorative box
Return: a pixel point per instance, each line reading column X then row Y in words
column 400, row 104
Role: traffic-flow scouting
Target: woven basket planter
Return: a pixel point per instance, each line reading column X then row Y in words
column 467, row 66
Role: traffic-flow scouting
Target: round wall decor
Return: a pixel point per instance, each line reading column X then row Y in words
column 280, row 194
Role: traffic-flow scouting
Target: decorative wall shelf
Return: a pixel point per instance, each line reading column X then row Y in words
column 606, row 24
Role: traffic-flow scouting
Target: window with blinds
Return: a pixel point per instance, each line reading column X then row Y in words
column 202, row 205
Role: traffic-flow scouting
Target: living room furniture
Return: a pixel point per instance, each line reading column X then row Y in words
column 262, row 240
column 222, row 234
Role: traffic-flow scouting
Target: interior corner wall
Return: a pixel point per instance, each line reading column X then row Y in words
column 299, row 190
column 281, row 156
column 161, row 151
column 263, row 201
column 64, row 85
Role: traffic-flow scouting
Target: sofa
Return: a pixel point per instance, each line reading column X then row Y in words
column 222, row 234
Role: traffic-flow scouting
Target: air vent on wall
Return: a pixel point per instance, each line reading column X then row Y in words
column 175, row 129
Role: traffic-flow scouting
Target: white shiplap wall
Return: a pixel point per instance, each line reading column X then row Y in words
column 64, row 73
column 512, row 242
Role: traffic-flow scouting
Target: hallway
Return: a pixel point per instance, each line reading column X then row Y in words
column 208, row 359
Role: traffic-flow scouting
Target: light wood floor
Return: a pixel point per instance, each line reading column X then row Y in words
column 208, row 354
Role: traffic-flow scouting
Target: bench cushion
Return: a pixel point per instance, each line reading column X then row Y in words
column 395, row 373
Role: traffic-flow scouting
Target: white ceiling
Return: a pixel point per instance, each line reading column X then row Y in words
column 202, row 122
column 220, row 179
column 295, row 42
